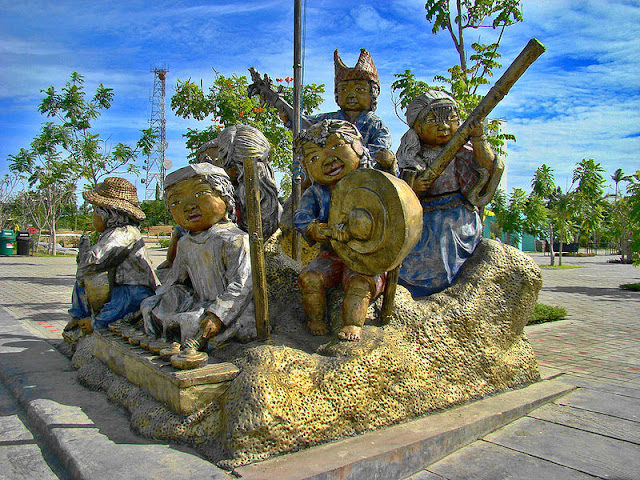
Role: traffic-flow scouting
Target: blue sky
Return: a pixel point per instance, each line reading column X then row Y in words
column 581, row 99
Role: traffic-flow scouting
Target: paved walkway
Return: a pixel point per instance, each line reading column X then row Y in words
column 593, row 432
column 598, row 346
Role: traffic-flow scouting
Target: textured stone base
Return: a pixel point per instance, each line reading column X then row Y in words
column 297, row 391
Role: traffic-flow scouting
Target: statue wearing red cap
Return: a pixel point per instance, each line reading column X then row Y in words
column 356, row 93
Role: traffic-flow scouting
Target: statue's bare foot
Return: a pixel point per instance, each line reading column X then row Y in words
column 85, row 325
column 73, row 323
column 318, row 327
column 350, row 332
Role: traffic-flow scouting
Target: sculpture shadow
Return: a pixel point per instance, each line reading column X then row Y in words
column 605, row 294
column 60, row 280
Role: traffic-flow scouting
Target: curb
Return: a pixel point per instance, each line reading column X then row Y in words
column 89, row 435
column 402, row 450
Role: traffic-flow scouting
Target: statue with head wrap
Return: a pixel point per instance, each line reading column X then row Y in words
column 228, row 151
column 235, row 143
column 115, row 274
column 209, row 295
column 452, row 224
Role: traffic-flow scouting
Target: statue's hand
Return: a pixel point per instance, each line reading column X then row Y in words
column 340, row 234
column 421, row 185
column 165, row 264
column 210, row 325
column 319, row 231
column 283, row 115
column 476, row 127
column 385, row 158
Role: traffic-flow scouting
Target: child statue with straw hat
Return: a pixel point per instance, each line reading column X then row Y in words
column 119, row 254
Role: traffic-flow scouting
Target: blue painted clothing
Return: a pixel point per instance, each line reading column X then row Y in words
column 375, row 133
column 121, row 250
column 125, row 299
column 314, row 206
column 452, row 226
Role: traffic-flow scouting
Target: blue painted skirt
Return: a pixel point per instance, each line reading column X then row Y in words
column 125, row 299
column 450, row 234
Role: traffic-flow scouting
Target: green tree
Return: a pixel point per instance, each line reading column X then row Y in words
column 92, row 158
column 634, row 215
column 563, row 216
column 543, row 186
column 7, row 196
column 67, row 149
column 518, row 214
column 227, row 103
column 474, row 69
column 157, row 213
column 43, row 168
column 589, row 195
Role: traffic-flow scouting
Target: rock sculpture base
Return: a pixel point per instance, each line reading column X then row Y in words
column 297, row 390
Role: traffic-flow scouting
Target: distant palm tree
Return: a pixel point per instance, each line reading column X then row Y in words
column 543, row 185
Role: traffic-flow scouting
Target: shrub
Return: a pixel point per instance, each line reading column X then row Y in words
column 164, row 242
column 543, row 313
column 634, row 287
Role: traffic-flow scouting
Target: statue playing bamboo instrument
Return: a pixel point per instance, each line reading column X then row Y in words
column 453, row 179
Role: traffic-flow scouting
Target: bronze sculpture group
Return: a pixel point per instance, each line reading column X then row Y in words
column 207, row 297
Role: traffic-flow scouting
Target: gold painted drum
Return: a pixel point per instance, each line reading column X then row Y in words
column 382, row 216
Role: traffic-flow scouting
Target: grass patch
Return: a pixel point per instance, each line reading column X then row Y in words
column 634, row 287
column 561, row 267
column 543, row 313
column 43, row 254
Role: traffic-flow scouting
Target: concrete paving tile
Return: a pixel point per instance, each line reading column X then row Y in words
column 94, row 456
column 601, row 424
column 425, row 475
column 583, row 451
column 21, row 354
column 486, row 461
column 23, row 461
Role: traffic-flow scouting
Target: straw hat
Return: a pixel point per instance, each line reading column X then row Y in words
column 116, row 193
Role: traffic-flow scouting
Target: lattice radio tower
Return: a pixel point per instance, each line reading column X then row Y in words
column 156, row 163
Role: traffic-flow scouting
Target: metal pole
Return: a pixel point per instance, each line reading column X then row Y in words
column 297, row 85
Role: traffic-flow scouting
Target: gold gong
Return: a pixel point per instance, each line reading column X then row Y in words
column 382, row 216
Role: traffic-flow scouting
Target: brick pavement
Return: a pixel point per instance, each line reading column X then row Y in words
column 600, row 340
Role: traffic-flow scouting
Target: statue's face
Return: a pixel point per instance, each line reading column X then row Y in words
column 194, row 205
column 330, row 163
column 434, row 132
column 354, row 95
column 98, row 223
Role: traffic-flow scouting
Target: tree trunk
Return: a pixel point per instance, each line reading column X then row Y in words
column 551, row 252
column 560, row 243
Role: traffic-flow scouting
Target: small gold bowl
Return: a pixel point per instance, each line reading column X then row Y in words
column 171, row 350
column 189, row 359
column 136, row 338
column 157, row 345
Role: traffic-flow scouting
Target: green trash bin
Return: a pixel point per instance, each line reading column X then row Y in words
column 7, row 239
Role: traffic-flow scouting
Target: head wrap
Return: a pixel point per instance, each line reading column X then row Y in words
column 215, row 176
column 431, row 100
